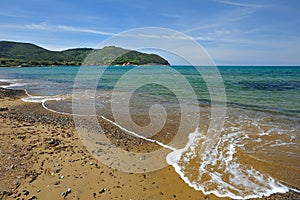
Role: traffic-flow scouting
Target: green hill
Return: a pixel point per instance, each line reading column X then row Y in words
column 112, row 55
column 26, row 54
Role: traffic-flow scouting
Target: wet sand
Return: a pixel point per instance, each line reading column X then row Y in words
column 42, row 157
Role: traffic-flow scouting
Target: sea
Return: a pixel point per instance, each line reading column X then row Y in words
column 253, row 151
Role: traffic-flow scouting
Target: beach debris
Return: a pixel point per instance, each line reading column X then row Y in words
column 102, row 191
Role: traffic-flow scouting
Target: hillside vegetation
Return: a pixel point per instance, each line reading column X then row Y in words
column 26, row 54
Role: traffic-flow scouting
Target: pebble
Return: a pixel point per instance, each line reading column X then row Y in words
column 64, row 194
column 62, row 177
column 3, row 109
column 103, row 190
column 25, row 192
column 143, row 158
column 91, row 163
column 51, row 142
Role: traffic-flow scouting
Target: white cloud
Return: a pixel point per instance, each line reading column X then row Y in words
column 245, row 4
column 47, row 27
column 83, row 30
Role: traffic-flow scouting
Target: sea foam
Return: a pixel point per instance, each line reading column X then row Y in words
column 218, row 171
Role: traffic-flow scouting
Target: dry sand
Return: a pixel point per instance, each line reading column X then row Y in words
column 42, row 157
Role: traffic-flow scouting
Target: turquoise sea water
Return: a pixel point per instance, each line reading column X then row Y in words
column 262, row 121
column 271, row 88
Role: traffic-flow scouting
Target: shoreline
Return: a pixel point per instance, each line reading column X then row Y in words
column 34, row 128
column 50, row 159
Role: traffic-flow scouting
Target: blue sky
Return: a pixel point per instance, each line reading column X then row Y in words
column 234, row 32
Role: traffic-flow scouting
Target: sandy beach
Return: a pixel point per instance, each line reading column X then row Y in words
column 42, row 157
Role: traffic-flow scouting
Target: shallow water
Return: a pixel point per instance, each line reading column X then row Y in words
column 256, row 155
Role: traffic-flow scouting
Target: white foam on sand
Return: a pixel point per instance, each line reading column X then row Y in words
column 12, row 83
column 18, row 84
column 224, row 175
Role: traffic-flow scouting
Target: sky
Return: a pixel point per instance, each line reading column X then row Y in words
column 233, row 32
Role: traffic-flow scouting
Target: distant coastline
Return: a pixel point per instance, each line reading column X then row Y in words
column 17, row 54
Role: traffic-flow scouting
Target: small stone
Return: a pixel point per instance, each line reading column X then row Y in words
column 57, row 170
column 83, row 158
column 91, row 163
column 51, row 142
column 26, row 192
column 62, row 177
column 143, row 158
column 32, row 198
column 17, row 182
column 38, row 191
column 63, row 194
column 102, row 191
column 3, row 109
column 69, row 190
